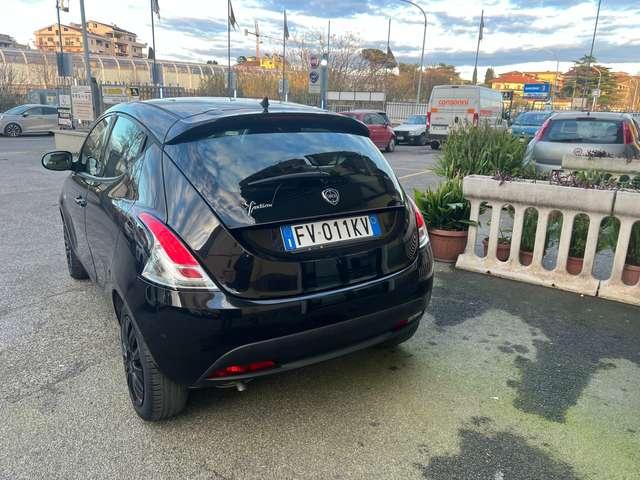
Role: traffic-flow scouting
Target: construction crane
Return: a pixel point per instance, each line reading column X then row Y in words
column 259, row 36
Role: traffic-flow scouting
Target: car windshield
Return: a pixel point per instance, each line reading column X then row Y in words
column 416, row 120
column 531, row 118
column 20, row 109
column 584, row 130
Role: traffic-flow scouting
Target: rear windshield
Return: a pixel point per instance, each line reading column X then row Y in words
column 233, row 168
column 584, row 130
column 531, row 118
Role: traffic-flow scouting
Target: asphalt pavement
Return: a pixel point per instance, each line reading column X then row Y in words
column 503, row 380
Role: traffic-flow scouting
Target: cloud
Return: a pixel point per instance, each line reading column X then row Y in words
column 329, row 8
column 194, row 26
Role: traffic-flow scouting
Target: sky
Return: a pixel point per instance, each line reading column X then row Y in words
column 518, row 34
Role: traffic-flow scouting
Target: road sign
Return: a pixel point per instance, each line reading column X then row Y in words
column 314, row 75
column 82, row 101
column 596, row 92
column 65, row 100
column 507, row 95
column 64, row 117
column 114, row 94
column 536, row 91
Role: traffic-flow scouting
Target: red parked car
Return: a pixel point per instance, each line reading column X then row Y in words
column 380, row 131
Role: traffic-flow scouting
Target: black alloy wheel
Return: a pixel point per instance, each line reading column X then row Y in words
column 12, row 130
column 132, row 361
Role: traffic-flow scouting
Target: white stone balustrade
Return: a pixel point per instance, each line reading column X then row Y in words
column 546, row 198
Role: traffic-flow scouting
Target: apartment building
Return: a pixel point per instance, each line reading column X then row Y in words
column 103, row 39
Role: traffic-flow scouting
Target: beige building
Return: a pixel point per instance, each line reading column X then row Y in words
column 103, row 39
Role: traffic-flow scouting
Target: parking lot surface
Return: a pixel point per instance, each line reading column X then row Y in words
column 502, row 381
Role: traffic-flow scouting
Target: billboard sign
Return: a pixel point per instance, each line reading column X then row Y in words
column 537, row 91
column 82, row 101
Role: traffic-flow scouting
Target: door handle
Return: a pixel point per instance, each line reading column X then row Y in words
column 80, row 201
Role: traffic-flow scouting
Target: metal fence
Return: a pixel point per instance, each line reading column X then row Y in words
column 398, row 112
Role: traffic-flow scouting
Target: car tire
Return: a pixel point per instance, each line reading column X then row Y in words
column 153, row 395
column 422, row 140
column 76, row 270
column 435, row 145
column 391, row 146
column 13, row 130
column 395, row 341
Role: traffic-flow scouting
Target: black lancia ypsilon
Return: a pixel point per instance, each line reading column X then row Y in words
column 238, row 239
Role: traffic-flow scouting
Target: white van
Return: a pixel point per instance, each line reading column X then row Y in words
column 452, row 105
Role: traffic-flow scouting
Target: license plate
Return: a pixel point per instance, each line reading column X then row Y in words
column 400, row 137
column 305, row 235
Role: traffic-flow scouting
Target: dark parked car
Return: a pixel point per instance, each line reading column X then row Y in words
column 235, row 242
column 380, row 131
column 527, row 124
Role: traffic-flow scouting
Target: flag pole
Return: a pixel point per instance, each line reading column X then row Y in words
column 229, row 48
column 475, row 65
column 284, row 56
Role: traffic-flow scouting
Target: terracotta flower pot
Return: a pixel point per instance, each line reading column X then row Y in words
column 503, row 251
column 574, row 265
column 526, row 258
column 447, row 244
column 631, row 274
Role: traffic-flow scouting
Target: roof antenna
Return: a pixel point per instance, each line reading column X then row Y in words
column 265, row 105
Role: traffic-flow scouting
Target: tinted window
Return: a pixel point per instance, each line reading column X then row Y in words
column 50, row 110
column 125, row 147
column 34, row 111
column 584, row 130
column 91, row 155
column 234, row 168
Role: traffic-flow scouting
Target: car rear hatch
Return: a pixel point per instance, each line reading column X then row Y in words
column 272, row 177
column 583, row 135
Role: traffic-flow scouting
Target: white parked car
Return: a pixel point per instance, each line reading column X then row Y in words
column 413, row 130
column 30, row 118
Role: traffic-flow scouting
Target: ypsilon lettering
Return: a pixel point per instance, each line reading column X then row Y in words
column 252, row 206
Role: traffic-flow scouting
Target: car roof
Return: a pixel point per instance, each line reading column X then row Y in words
column 363, row 110
column 169, row 117
column 600, row 115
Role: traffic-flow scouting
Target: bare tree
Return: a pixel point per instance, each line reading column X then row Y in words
column 11, row 89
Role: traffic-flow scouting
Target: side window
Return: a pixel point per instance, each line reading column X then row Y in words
column 126, row 144
column 368, row 119
column 376, row 119
column 34, row 111
column 50, row 111
column 385, row 119
column 91, row 155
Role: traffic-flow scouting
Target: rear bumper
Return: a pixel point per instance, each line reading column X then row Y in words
column 192, row 334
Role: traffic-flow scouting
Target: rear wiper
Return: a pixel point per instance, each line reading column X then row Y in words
column 288, row 176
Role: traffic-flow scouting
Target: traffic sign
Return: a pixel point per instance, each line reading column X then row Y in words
column 596, row 92
column 507, row 95
column 314, row 75
column 536, row 91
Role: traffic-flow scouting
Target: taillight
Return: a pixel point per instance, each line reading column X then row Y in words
column 423, row 235
column 232, row 370
column 170, row 263
column 626, row 133
column 428, row 119
column 542, row 130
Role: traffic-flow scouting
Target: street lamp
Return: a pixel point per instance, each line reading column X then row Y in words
column 324, row 80
column 424, row 36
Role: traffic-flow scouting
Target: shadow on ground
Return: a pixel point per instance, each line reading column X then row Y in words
column 581, row 335
column 488, row 455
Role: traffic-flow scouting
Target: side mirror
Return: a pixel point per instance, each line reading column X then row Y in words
column 58, row 160
column 25, row 114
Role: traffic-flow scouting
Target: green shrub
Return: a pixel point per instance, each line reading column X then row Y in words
column 482, row 150
column 445, row 208
column 633, row 252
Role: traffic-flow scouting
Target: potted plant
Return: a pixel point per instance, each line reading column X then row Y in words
column 446, row 213
column 579, row 241
column 529, row 227
column 631, row 271
column 504, row 245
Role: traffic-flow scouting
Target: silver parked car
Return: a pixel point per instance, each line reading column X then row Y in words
column 30, row 118
column 583, row 133
column 412, row 130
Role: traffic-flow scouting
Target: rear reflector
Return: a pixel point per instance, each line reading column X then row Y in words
column 401, row 324
column 233, row 370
